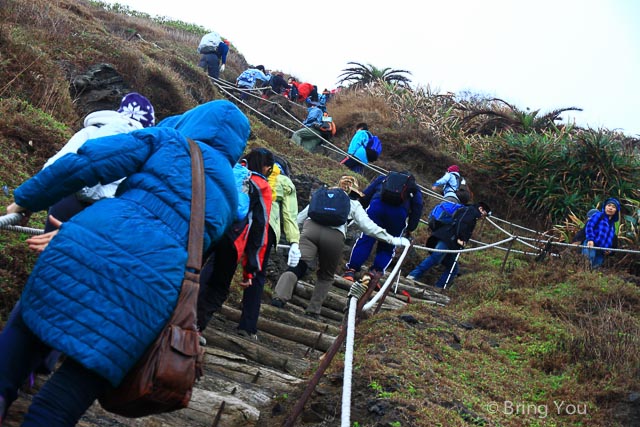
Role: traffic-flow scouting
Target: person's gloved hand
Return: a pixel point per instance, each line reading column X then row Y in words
column 294, row 255
column 400, row 241
column 222, row 68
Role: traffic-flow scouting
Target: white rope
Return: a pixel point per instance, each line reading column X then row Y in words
column 389, row 280
column 356, row 291
column 455, row 251
column 9, row 219
column 26, row 230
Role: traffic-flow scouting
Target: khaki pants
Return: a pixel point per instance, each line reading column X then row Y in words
column 308, row 138
column 326, row 244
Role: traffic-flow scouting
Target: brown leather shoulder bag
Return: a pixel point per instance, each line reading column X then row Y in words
column 162, row 380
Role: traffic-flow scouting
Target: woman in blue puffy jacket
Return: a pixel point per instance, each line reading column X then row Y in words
column 107, row 284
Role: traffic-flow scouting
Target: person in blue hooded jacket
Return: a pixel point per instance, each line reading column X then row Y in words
column 357, row 153
column 600, row 232
column 107, row 284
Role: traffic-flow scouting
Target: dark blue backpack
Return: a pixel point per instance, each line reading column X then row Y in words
column 442, row 214
column 330, row 206
column 373, row 147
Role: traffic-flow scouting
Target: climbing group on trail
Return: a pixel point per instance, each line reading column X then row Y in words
column 121, row 196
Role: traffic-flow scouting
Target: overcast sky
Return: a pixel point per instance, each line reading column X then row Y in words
column 543, row 54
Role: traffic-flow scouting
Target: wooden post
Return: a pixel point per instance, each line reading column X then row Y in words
column 504, row 262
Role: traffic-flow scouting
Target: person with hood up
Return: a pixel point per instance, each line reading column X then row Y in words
column 450, row 183
column 135, row 112
column 357, row 153
column 109, row 281
column 600, row 232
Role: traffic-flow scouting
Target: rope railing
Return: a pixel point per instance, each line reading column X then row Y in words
column 8, row 221
column 389, row 279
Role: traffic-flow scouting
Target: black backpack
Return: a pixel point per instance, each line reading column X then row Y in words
column 330, row 206
column 397, row 187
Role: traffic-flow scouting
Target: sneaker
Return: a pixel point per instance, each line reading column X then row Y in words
column 277, row 302
column 350, row 275
column 201, row 339
column 410, row 277
column 245, row 334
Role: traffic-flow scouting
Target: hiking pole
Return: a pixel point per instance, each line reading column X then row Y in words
column 455, row 261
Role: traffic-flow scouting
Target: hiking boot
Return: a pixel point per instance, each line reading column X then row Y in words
column 277, row 302
column 350, row 275
column 245, row 334
column 202, row 340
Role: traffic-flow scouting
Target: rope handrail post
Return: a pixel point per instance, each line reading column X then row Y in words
column 506, row 255
column 328, row 356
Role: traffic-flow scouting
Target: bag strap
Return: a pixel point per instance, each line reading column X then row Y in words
column 196, row 222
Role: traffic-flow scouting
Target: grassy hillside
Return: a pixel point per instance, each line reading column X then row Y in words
column 524, row 343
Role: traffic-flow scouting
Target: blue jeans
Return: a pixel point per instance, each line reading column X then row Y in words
column 64, row 398
column 596, row 256
column 437, row 258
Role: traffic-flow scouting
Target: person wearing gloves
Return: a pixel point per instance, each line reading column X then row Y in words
column 600, row 232
column 397, row 219
column 244, row 242
column 326, row 243
column 452, row 236
column 214, row 50
column 450, row 183
column 108, row 282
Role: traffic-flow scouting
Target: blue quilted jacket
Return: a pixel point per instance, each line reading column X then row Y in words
column 109, row 281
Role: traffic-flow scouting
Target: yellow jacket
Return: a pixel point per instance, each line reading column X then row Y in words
column 284, row 207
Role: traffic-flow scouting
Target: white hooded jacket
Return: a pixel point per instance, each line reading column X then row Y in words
column 96, row 125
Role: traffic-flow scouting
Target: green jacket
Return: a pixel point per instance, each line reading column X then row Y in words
column 284, row 207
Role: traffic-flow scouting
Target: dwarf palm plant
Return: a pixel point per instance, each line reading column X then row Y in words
column 558, row 173
column 362, row 75
column 499, row 115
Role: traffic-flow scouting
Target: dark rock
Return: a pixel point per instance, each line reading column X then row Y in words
column 100, row 87
column 378, row 408
column 408, row 318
